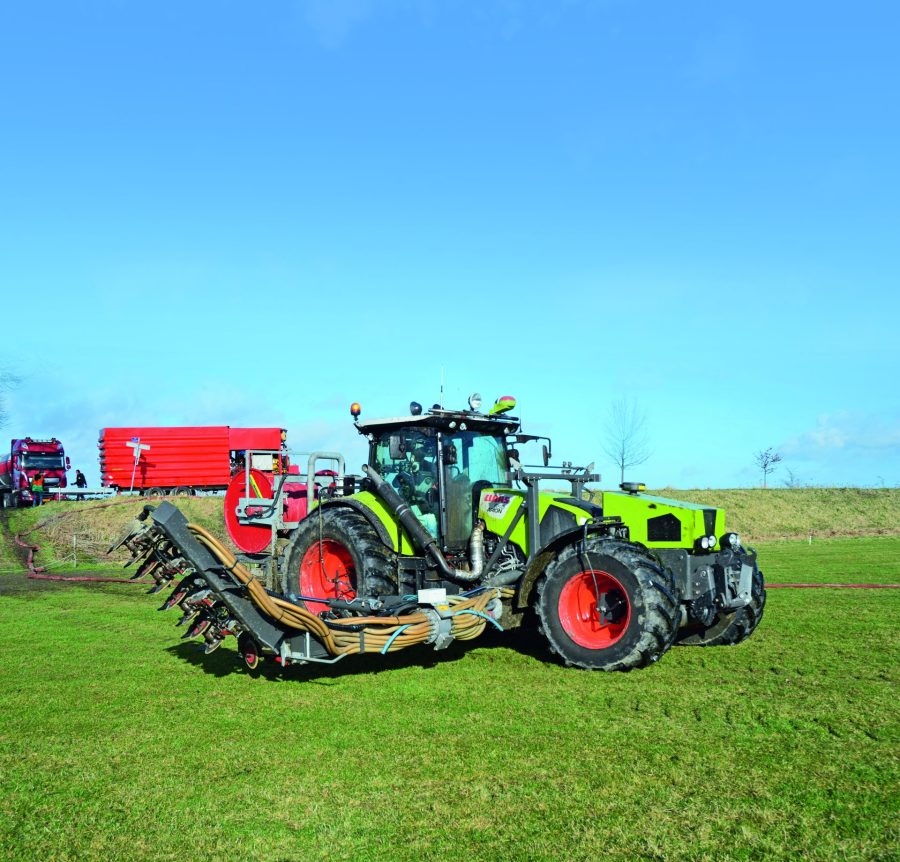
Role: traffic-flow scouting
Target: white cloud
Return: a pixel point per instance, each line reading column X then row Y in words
column 846, row 432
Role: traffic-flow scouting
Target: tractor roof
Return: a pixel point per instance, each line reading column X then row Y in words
column 444, row 420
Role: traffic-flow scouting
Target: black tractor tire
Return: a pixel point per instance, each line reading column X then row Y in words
column 729, row 627
column 607, row 606
column 351, row 560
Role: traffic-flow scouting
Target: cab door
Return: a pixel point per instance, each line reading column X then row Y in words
column 470, row 462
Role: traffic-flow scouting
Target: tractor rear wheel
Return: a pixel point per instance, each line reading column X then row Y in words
column 607, row 605
column 335, row 553
column 730, row 627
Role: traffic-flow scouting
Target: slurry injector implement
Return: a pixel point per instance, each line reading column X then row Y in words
column 448, row 534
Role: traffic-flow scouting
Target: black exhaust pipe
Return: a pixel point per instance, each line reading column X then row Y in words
column 425, row 542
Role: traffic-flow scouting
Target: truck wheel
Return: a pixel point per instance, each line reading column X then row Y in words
column 336, row 553
column 607, row 606
column 730, row 627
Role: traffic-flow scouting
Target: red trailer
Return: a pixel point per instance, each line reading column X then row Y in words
column 157, row 460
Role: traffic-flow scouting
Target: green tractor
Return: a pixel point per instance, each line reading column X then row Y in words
column 449, row 532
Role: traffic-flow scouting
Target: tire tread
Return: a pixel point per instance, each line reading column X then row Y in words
column 660, row 594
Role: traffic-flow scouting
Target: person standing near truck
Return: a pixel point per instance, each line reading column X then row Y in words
column 37, row 489
column 80, row 481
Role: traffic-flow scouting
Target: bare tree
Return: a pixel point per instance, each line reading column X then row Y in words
column 625, row 435
column 7, row 381
column 766, row 459
column 793, row 480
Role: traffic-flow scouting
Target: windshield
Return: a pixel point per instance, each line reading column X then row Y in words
column 43, row 461
column 478, row 457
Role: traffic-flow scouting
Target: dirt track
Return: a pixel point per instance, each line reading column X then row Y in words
column 22, row 586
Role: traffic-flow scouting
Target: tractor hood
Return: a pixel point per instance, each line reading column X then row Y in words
column 659, row 522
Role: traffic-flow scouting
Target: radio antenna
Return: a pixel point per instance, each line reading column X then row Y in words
column 442, row 387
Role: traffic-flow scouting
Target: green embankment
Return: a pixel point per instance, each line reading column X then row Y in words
column 799, row 512
column 86, row 529
column 793, row 513
column 83, row 531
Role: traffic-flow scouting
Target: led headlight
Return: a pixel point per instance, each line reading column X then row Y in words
column 475, row 401
column 704, row 543
column 712, row 541
column 734, row 540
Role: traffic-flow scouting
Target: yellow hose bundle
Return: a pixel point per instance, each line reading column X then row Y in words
column 379, row 634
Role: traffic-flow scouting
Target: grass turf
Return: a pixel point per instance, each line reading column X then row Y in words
column 117, row 740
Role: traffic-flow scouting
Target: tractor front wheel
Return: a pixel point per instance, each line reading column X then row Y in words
column 335, row 553
column 607, row 605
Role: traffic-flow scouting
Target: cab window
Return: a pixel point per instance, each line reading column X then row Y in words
column 471, row 462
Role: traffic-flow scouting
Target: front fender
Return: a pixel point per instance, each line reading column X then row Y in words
column 540, row 560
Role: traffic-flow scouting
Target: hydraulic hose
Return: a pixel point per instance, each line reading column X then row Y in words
column 378, row 634
column 422, row 539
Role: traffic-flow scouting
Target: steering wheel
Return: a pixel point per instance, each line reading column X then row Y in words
column 405, row 484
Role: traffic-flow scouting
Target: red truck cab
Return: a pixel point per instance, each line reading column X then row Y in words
column 27, row 457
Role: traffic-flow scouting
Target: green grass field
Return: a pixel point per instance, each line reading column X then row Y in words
column 119, row 741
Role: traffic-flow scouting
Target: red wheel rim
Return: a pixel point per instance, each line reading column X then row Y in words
column 582, row 619
column 326, row 571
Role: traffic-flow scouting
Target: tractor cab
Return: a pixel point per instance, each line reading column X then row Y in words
column 439, row 462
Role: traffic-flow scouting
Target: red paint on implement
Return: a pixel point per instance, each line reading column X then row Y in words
column 250, row 538
column 325, row 572
column 578, row 611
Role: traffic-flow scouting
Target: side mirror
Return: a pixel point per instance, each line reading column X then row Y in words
column 547, row 454
column 396, row 447
column 68, row 463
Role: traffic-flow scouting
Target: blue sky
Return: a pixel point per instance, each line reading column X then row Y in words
column 255, row 213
